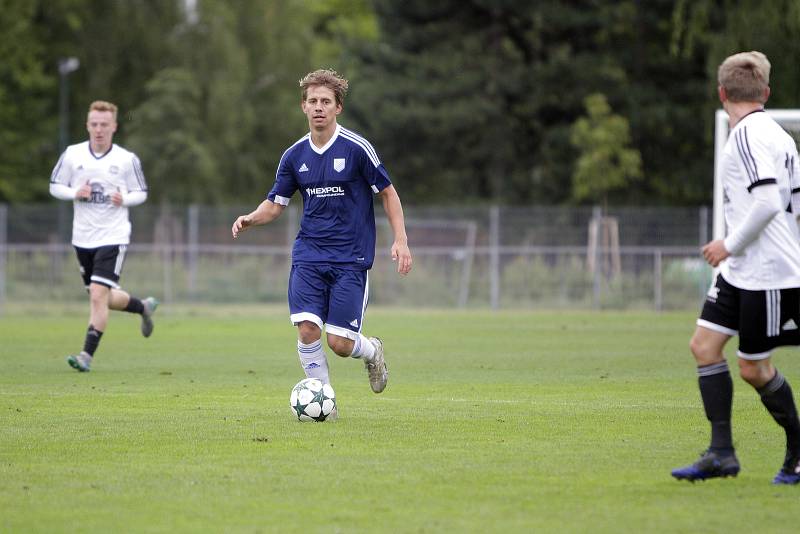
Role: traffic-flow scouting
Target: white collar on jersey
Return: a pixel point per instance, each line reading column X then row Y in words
column 328, row 144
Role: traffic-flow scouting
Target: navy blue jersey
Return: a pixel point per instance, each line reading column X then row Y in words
column 337, row 183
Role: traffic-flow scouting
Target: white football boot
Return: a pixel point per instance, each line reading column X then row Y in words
column 377, row 370
column 150, row 305
column 81, row 362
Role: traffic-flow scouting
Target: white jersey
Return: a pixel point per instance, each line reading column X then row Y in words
column 759, row 152
column 97, row 222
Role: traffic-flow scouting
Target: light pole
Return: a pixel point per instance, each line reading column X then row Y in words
column 66, row 65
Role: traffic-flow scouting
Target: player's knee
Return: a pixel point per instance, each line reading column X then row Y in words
column 704, row 352
column 756, row 373
column 750, row 375
column 98, row 295
column 308, row 332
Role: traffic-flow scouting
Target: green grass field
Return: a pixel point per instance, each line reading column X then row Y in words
column 492, row 422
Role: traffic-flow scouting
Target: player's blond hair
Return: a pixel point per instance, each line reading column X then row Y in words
column 102, row 105
column 326, row 78
column 745, row 76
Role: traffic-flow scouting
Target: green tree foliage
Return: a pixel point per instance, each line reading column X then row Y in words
column 216, row 119
column 121, row 45
column 169, row 133
column 726, row 27
column 208, row 104
column 470, row 100
column 467, row 100
column 606, row 163
column 339, row 27
column 28, row 80
column 118, row 45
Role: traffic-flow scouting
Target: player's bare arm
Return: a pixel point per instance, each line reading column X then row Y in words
column 394, row 212
column 266, row 212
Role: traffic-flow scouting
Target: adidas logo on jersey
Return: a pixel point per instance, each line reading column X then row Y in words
column 354, row 323
column 789, row 325
column 303, row 168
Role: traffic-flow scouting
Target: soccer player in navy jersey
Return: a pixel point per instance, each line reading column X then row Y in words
column 757, row 291
column 337, row 172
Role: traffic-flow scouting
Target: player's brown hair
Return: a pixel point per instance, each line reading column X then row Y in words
column 102, row 105
column 326, row 78
column 745, row 76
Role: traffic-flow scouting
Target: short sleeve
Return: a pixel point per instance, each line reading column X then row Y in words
column 134, row 179
column 753, row 154
column 285, row 183
column 373, row 171
column 62, row 172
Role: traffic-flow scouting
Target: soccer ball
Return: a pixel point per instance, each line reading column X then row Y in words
column 311, row 400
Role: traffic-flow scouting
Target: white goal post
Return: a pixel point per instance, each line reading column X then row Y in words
column 788, row 118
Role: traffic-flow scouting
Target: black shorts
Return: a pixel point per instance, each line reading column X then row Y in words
column 763, row 319
column 101, row 265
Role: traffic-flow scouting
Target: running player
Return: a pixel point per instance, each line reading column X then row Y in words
column 102, row 179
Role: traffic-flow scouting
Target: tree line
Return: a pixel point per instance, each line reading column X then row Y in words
column 468, row 101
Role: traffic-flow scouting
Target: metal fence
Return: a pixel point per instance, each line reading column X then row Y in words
column 484, row 256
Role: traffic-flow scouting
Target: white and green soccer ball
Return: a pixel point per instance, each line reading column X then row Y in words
column 311, row 400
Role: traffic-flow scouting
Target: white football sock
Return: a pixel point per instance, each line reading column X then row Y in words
column 363, row 348
column 313, row 360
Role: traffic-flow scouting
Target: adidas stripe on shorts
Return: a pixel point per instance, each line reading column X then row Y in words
column 763, row 319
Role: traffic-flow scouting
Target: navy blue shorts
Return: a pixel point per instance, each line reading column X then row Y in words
column 329, row 296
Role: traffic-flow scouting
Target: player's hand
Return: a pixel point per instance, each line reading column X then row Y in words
column 715, row 251
column 84, row 192
column 402, row 255
column 116, row 198
column 240, row 225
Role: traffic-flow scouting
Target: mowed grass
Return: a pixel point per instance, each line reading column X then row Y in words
column 511, row 421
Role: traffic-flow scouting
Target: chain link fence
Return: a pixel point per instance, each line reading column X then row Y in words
column 537, row 257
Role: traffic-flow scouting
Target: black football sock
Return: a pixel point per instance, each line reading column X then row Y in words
column 134, row 306
column 716, row 390
column 92, row 340
column 777, row 396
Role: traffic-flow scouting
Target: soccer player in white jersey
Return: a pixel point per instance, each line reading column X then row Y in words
column 337, row 173
column 757, row 291
column 102, row 180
